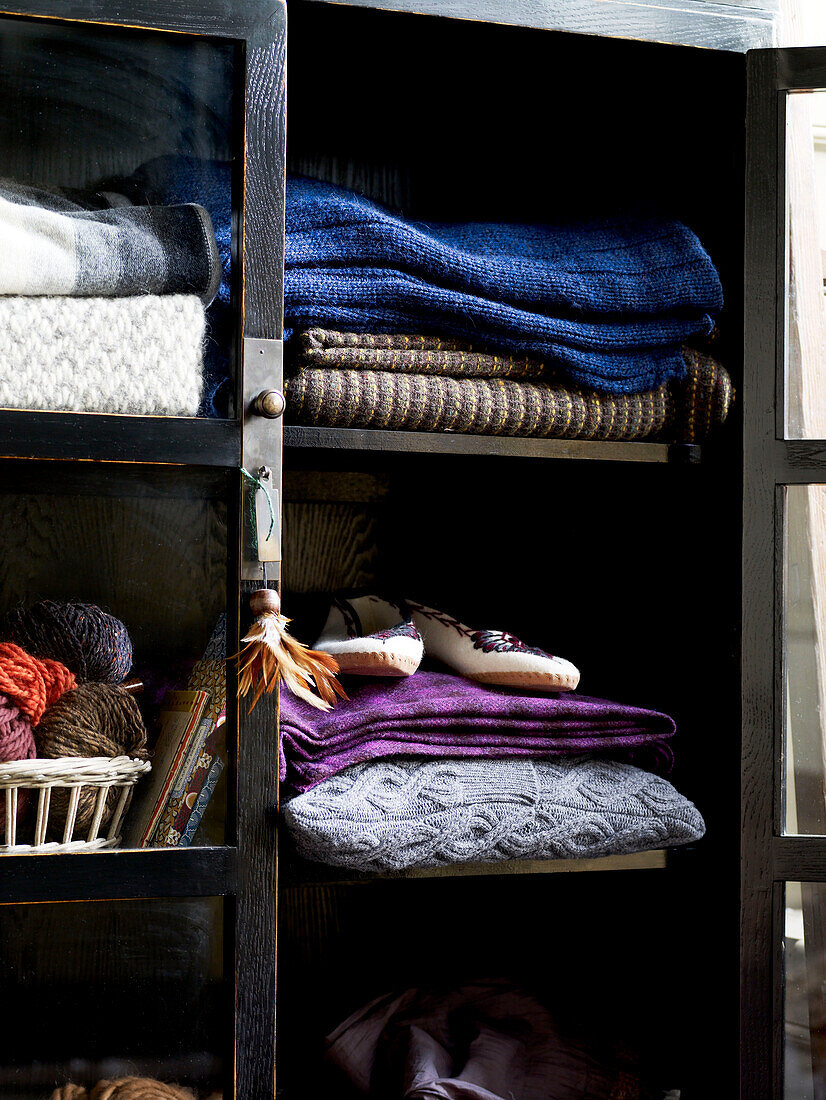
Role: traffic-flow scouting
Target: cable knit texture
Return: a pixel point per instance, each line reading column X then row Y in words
column 140, row 355
column 395, row 814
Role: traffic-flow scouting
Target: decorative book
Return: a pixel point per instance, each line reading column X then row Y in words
column 180, row 716
column 191, row 805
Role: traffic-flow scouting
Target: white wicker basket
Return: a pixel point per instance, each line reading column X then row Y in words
column 41, row 776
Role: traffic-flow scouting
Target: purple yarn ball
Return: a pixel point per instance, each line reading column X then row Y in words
column 16, row 743
column 90, row 642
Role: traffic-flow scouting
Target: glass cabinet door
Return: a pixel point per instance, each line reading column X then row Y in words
column 783, row 856
column 120, row 152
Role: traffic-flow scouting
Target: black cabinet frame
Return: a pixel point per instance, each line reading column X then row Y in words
column 768, row 858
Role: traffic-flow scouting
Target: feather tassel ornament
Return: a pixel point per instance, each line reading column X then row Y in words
column 270, row 654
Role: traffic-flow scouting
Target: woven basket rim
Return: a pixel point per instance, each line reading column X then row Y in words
column 73, row 769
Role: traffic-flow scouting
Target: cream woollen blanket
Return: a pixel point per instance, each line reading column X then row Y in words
column 141, row 355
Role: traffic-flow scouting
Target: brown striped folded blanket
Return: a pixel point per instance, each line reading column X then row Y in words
column 319, row 347
column 682, row 411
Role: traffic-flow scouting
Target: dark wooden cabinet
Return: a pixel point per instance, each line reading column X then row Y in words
column 624, row 558
column 700, row 565
column 680, row 577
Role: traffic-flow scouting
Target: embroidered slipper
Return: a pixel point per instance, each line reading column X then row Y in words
column 491, row 656
column 369, row 636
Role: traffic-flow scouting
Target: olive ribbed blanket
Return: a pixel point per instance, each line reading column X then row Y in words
column 504, row 404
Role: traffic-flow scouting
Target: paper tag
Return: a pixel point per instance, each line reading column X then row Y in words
column 267, row 518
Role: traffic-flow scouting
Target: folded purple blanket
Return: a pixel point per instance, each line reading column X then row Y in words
column 437, row 714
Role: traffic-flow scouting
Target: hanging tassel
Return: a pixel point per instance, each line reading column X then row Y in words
column 270, row 654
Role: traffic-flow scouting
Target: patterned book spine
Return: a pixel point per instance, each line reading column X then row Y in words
column 213, row 748
column 182, row 783
column 201, row 803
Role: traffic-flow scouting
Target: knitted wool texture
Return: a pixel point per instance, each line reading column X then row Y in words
column 90, row 642
column 16, row 737
column 54, row 244
column 32, row 683
column 408, row 353
column 171, row 180
column 389, row 815
column 92, row 720
column 609, row 303
column 27, row 687
column 140, row 355
column 684, row 410
column 125, row 1088
column 436, row 715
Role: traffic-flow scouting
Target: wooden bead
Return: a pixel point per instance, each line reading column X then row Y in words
column 263, row 600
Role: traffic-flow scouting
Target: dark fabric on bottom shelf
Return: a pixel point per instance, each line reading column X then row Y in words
column 487, row 1040
column 684, row 411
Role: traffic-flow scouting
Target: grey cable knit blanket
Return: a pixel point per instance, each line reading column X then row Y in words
column 398, row 813
column 99, row 245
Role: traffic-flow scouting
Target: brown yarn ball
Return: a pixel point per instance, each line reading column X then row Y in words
column 92, row 720
column 139, row 1088
column 125, row 1088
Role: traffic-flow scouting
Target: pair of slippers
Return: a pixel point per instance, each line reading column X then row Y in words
column 370, row 636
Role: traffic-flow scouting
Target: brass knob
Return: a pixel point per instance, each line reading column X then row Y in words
column 269, row 403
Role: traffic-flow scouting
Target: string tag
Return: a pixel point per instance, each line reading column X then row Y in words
column 266, row 515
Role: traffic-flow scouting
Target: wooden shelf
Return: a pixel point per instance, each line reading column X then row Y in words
column 306, row 874
column 370, row 440
column 99, row 437
column 108, row 875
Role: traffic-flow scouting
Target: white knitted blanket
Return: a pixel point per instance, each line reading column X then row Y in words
column 141, row 355
column 398, row 813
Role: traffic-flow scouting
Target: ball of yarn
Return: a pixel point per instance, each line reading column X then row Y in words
column 90, row 642
column 30, row 682
column 16, row 743
column 27, row 686
column 125, row 1088
column 16, row 735
column 91, row 720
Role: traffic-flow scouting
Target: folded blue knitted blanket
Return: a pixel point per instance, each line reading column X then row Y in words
column 610, row 302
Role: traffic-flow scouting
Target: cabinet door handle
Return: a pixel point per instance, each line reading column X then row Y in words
column 270, row 403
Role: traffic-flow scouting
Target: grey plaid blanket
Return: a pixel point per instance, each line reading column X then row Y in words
column 98, row 245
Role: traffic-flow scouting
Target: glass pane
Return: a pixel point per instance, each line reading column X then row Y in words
column 804, row 963
column 805, row 660
column 117, row 160
column 120, row 576
column 107, row 990
column 805, row 353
